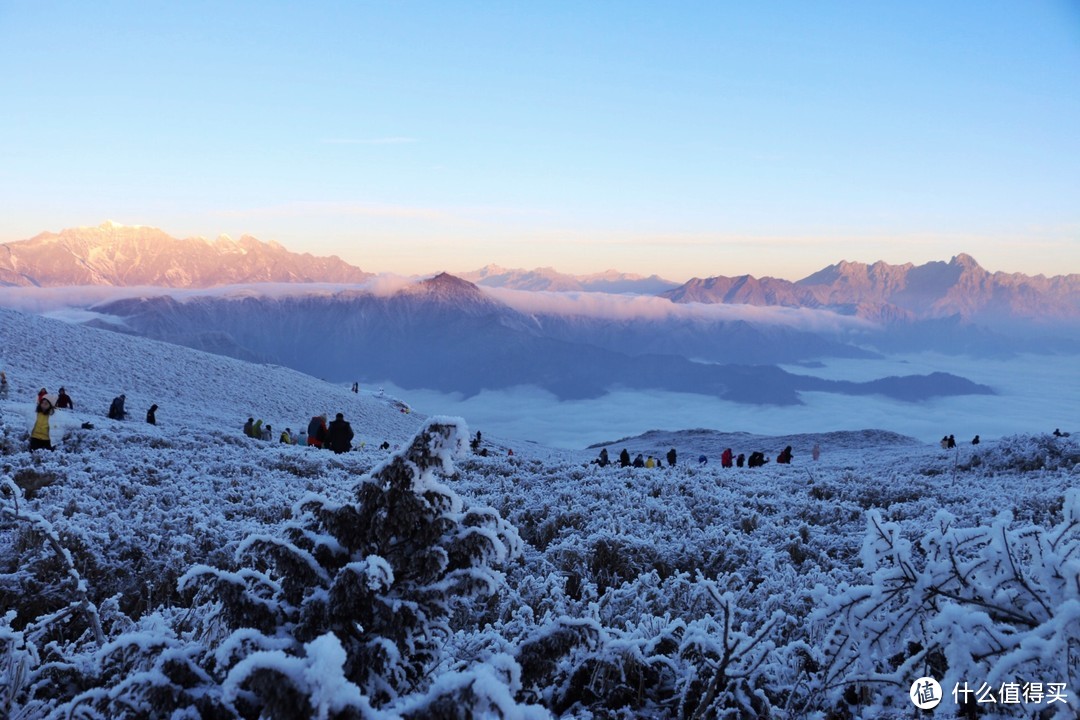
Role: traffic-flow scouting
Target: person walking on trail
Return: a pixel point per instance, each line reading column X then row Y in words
column 249, row 427
column 725, row 458
column 116, row 410
column 671, row 457
column 624, row 458
column 784, row 458
column 602, row 460
column 151, row 415
column 63, row 400
column 39, row 436
column 340, row 434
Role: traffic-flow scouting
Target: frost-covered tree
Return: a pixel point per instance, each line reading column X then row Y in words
column 383, row 575
column 995, row 605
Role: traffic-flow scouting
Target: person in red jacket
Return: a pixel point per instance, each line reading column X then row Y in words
column 784, row 458
column 725, row 458
column 63, row 400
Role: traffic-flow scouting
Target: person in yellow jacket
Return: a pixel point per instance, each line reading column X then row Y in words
column 39, row 436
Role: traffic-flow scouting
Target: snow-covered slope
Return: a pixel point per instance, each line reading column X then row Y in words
column 194, row 390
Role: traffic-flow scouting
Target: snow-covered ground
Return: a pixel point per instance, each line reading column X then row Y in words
column 813, row 589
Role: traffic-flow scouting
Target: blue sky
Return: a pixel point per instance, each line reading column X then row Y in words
column 685, row 139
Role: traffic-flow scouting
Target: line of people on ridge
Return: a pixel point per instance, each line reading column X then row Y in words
column 337, row 435
column 948, row 442
column 727, row 458
column 47, row 404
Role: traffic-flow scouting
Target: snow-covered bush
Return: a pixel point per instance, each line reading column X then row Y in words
column 382, row 574
column 993, row 604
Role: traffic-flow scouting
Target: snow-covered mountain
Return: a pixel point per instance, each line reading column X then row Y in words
column 185, row 570
column 112, row 254
column 891, row 293
column 549, row 279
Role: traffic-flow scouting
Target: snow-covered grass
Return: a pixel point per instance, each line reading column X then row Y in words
column 693, row 591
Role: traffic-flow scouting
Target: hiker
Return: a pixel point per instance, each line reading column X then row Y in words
column 39, row 436
column 316, row 431
column 63, row 400
column 702, row 460
column 340, row 434
column 116, row 410
column 267, row 432
column 816, row 452
column 975, row 440
column 41, row 393
column 671, row 457
column 952, row 442
column 945, row 443
column 302, row 438
column 639, row 461
column 3, row 385
column 602, row 460
column 385, row 445
column 256, row 429
column 757, row 459
column 784, row 458
column 249, row 427
column 624, row 458
column 725, row 458
column 151, row 415
column 356, row 387
column 475, row 442
column 286, row 437
column 650, row 463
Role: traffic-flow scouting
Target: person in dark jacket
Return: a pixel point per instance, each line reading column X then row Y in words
column 340, row 434
column 639, row 461
column 952, row 441
column 151, row 415
column 671, row 457
column 624, row 458
column 249, row 427
column 757, row 459
column 602, row 460
column 784, row 458
column 975, row 440
column 63, row 400
column 741, row 460
column 116, row 410
column 316, row 431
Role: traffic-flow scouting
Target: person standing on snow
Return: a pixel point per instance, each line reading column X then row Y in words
column 340, row 434
column 151, row 415
column 116, row 410
column 63, row 400
column 39, row 436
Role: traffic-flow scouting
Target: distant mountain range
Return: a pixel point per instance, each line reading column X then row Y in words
column 902, row 293
column 960, row 289
column 122, row 255
column 550, row 280
column 446, row 334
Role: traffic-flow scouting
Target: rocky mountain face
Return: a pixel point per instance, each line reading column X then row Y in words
column 120, row 255
column 903, row 293
column 549, row 279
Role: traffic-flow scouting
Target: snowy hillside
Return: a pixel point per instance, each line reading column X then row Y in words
column 187, row 571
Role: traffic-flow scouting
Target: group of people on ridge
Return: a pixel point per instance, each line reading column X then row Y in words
column 727, row 458
column 337, row 435
column 48, row 404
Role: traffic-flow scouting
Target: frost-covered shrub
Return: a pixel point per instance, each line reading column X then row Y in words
column 995, row 604
column 382, row 574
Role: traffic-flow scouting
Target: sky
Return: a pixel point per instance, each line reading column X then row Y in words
column 686, row 139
